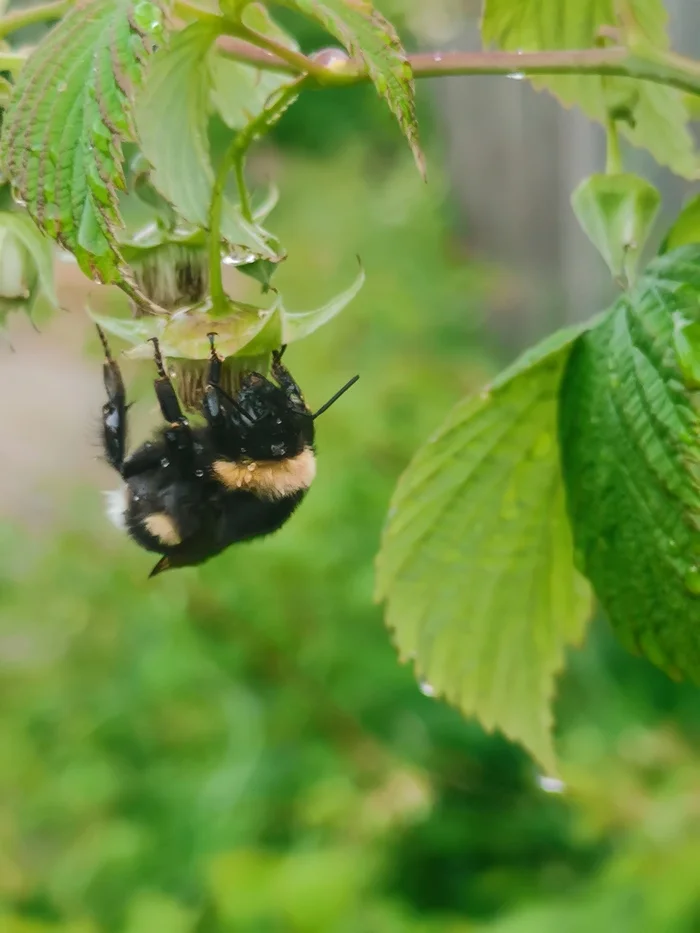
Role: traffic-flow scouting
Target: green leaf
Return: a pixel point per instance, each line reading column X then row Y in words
column 617, row 213
column 61, row 143
column 631, row 458
column 26, row 265
column 686, row 228
column 372, row 40
column 132, row 330
column 660, row 115
column 298, row 325
column 172, row 116
column 476, row 563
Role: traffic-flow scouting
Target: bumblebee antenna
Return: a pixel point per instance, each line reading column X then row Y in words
column 334, row 399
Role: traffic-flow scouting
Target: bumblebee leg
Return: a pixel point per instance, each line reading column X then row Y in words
column 165, row 392
column 211, row 404
column 218, row 406
column 177, row 436
column 114, row 410
column 286, row 382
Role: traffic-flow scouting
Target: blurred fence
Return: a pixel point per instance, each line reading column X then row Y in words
column 514, row 156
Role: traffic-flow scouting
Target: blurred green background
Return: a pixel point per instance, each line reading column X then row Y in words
column 238, row 748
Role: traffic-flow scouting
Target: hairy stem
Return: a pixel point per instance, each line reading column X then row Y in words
column 216, row 283
column 243, row 195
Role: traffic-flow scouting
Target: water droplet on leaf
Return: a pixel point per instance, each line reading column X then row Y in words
column 550, row 785
column 426, row 689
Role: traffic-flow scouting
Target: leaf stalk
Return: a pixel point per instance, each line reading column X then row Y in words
column 28, row 16
column 656, row 66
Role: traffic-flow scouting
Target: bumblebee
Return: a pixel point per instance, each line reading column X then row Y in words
column 192, row 491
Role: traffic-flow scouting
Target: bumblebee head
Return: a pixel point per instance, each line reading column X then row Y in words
column 275, row 427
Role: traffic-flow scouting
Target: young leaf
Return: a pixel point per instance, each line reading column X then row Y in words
column 62, row 134
column 373, row 41
column 617, row 213
column 631, row 458
column 26, row 265
column 659, row 115
column 686, row 227
column 132, row 330
column 172, row 115
column 476, row 563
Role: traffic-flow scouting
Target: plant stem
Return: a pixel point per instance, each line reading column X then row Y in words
column 659, row 67
column 243, row 195
column 246, row 45
column 216, row 282
column 613, row 159
column 27, row 16
column 234, row 157
column 297, row 62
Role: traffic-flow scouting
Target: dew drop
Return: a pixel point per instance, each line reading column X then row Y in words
column 278, row 421
column 199, row 473
column 550, row 785
column 165, row 463
column 331, row 58
column 426, row 689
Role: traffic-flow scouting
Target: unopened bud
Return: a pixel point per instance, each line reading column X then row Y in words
column 172, row 275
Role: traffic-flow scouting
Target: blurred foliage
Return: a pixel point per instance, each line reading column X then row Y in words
column 237, row 749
